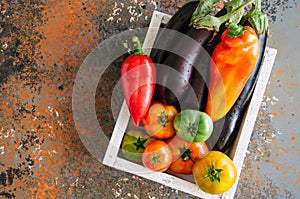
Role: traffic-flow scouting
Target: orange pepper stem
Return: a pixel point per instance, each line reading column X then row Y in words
column 235, row 30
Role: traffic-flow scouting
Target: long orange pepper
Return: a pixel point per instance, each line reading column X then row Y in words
column 233, row 61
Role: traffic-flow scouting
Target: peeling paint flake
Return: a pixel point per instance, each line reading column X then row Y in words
column 2, row 150
column 117, row 193
column 135, row 196
column 275, row 98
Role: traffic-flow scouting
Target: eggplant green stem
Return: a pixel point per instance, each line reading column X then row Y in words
column 257, row 19
column 226, row 17
column 139, row 50
column 213, row 23
column 258, row 5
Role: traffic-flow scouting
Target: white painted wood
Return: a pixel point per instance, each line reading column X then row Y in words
column 117, row 135
column 239, row 149
column 154, row 25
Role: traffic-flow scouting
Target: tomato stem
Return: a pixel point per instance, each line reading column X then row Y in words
column 213, row 173
column 139, row 50
column 191, row 129
column 140, row 144
column 163, row 119
column 155, row 159
column 185, row 154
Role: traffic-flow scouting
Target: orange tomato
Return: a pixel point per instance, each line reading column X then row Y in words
column 158, row 121
column 185, row 154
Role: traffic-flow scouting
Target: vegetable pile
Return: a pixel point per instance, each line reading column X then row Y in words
column 174, row 133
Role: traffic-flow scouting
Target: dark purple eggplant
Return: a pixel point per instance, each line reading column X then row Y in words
column 200, row 76
column 188, row 54
column 226, row 129
column 172, row 88
column 178, row 22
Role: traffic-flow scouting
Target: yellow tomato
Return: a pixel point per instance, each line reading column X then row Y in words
column 215, row 173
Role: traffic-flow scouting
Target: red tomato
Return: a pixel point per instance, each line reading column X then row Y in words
column 185, row 154
column 157, row 156
column 158, row 121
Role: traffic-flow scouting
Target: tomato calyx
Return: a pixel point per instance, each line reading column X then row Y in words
column 185, row 154
column 140, row 144
column 213, row 173
column 155, row 159
column 191, row 128
column 163, row 119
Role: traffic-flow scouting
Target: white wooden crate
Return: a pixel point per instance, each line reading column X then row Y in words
column 186, row 184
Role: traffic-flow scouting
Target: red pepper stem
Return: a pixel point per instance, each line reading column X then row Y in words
column 139, row 50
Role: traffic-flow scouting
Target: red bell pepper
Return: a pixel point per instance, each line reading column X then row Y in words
column 138, row 77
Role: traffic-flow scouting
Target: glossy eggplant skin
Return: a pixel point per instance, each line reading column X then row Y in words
column 190, row 66
column 178, row 22
column 173, row 89
column 226, row 129
column 201, row 73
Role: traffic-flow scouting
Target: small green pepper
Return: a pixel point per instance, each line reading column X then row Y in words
column 193, row 125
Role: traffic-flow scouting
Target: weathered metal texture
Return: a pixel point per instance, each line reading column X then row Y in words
column 43, row 43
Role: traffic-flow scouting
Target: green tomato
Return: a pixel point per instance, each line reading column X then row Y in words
column 134, row 143
column 193, row 125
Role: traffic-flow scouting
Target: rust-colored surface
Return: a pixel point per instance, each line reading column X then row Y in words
column 43, row 44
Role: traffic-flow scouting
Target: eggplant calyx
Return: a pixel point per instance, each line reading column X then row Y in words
column 213, row 23
column 258, row 20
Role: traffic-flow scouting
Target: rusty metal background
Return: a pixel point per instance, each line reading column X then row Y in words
column 42, row 45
